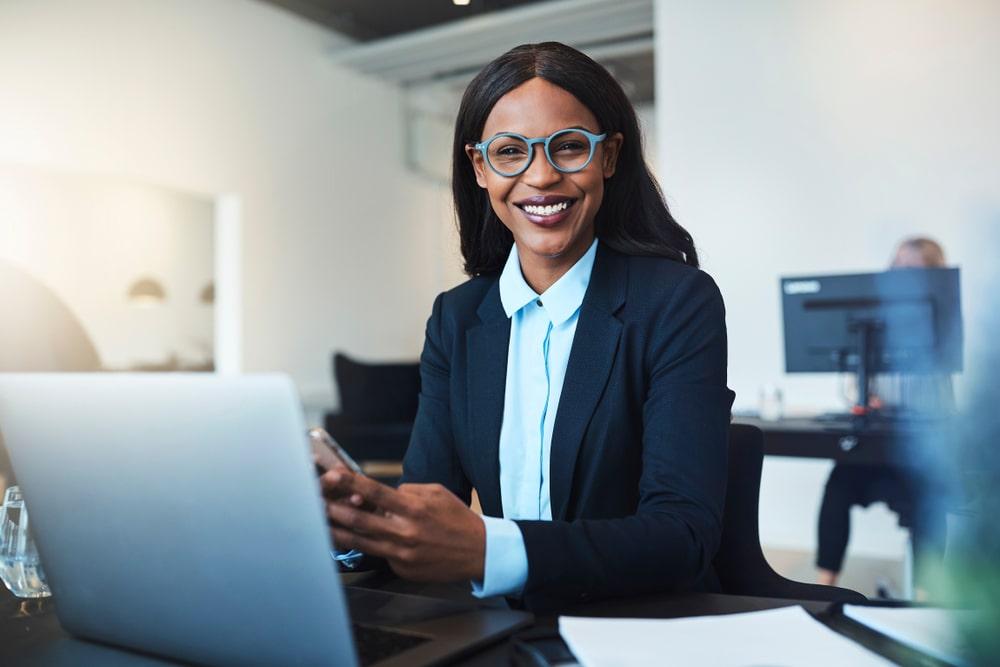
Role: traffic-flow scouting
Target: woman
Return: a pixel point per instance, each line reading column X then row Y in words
column 577, row 381
column 910, row 491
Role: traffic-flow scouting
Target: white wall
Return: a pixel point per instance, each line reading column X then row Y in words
column 90, row 238
column 808, row 137
column 341, row 245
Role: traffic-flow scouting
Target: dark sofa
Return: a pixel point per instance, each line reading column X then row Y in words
column 378, row 403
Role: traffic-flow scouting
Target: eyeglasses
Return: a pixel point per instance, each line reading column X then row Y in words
column 568, row 151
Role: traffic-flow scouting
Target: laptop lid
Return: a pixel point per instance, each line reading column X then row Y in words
column 178, row 514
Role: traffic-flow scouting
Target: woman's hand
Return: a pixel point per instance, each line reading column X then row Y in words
column 423, row 530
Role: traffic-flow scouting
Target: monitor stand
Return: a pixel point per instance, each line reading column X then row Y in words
column 867, row 329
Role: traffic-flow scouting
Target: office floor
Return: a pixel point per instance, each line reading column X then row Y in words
column 861, row 573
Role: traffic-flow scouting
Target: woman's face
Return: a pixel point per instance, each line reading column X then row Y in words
column 538, row 108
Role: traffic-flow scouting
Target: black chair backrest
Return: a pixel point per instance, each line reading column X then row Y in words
column 740, row 563
column 377, row 393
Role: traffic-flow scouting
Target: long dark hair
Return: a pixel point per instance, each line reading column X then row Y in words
column 633, row 217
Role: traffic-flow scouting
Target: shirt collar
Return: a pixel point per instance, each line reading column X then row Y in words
column 560, row 300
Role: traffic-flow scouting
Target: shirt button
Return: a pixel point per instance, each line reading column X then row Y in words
column 538, row 302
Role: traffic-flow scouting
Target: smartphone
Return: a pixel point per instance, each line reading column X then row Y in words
column 328, row 453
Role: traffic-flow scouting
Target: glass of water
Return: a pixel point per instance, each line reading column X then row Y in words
column 19, row 566
column 771, row 403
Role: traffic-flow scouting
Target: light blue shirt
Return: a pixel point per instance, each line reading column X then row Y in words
column 541, row 336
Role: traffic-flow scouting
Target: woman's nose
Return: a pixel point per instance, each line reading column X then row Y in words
column 540, row 173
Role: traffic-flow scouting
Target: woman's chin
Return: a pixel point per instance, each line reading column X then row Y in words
column 549, row 244
column 548, row 250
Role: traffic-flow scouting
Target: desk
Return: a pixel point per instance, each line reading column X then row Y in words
column 812, row 438
column 30, row 633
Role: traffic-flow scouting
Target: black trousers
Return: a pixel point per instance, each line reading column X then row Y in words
column 904, row 490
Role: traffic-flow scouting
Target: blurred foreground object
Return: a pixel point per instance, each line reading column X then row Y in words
column 40, row 333
column 972, row 564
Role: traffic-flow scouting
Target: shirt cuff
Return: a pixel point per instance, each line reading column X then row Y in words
column 505, row 571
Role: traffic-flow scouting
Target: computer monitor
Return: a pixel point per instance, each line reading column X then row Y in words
column 901, row 320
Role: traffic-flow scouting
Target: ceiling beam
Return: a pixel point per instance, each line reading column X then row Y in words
column 461, row 47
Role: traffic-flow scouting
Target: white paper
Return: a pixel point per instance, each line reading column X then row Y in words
column 786, row 637
column 933, row 631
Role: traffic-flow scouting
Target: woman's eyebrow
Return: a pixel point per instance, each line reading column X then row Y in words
column 568, row 127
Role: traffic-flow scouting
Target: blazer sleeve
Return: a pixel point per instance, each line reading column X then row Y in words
column 431, row 454
column 670, row 541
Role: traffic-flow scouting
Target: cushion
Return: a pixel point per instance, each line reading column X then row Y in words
column 377, row 392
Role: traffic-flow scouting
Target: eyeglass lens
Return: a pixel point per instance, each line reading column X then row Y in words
column 568, row 151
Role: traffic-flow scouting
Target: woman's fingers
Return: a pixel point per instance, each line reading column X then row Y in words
column 361, row 521
column 341, row 482
column 426, row 533
column 331, row 482
column 344, row 539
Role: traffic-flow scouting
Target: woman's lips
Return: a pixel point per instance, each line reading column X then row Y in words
column 539, row 215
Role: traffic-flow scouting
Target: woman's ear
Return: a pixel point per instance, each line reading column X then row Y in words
column 612, row 148
column 478, row 165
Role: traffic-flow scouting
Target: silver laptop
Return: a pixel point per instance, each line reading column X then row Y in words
column 180, row 515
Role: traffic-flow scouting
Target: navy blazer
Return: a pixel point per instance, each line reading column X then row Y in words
column 638, row 458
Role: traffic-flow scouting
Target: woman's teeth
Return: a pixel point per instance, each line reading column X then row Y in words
column 547, row 210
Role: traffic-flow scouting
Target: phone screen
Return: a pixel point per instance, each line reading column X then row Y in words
column 328, row 453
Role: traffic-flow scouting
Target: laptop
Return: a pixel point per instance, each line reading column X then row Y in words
column 180, row 515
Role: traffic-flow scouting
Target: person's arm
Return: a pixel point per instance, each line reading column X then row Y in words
column 425, row 529
column 505, row 566
column 670, row 541
column 430, row 456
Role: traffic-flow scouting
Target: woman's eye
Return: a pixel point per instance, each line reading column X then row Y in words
column 571, row 146
column 510, row 151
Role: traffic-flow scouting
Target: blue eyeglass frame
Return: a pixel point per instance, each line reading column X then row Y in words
column 545, row 141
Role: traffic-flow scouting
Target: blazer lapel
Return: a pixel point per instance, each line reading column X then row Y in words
column 487, row 378
column 591, row 357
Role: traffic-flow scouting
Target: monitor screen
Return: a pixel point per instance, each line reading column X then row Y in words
column 913, row 318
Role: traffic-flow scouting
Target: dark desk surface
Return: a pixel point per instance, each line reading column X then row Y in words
column 812, row 438
column 30, row 633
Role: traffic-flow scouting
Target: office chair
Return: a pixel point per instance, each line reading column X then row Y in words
column 378, row 404
column 740, row 563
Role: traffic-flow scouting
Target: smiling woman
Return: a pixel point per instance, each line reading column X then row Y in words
column 577, row 381
column 570, row 91
column 548, row 208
